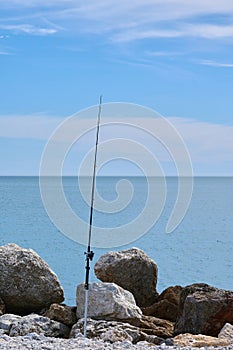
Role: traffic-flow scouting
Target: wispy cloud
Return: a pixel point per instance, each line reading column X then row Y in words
column 136, row 34
column 128, row 20
column 210, row 31
column 134, row 62
column 197, row 30
column 216, row 64
column 163, row 53
column 194, row 26
column 5, row 53
column 28, row 29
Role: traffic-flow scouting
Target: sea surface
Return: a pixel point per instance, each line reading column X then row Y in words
column 199, row 250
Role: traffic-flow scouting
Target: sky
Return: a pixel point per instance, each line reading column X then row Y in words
column 172, row 56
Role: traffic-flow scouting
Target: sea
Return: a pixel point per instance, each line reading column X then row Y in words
column 200, row 249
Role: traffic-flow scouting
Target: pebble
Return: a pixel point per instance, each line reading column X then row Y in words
column 34, row 341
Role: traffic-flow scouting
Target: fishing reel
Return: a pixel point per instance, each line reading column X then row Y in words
column 89, row 255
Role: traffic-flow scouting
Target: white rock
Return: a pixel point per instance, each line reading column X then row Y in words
column 227, row 332
column 107, row 301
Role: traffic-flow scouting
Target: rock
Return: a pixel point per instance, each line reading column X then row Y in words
column 198, row 340
column 153, row 339
column 112, row 331
column 227, row 333
column 62, row 313
column 171, row 294
column 167, row 305
column 204, row 310
column 113, row 335
column 144, row 345
column 169, row 342
column 15, row 325
column 108, row 330
column 2, row 307
column 107, row 301
column 38, row 324
column 6, row 322
column 163, row 309
column 133, row 270
column 27, row 282
column 154, row 326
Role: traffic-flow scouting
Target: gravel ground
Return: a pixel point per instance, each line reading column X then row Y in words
column 40, row 342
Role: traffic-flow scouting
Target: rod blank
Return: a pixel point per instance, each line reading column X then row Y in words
column 89, row 253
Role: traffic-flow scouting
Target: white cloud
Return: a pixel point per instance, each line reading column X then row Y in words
column 125, row 21
column 209, row 31
column 216, row 64
column 163, row 53
column 28, row 29
column 197, row 30
column 148, row 34
column 145, row 10
column 4, row 53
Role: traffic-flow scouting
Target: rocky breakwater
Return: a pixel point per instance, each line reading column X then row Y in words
column 124, row 307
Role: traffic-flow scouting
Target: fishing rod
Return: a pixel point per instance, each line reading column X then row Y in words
column 89, row 253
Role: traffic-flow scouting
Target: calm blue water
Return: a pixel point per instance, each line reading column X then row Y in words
column 199, row 250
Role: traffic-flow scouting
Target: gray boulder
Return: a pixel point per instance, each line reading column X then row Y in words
column 204, row 309
column 112, row 331
column 133, row 270
column 6, row 322
column 38, row 324
column 107, row 330
column 107, row 301
column 27, row 282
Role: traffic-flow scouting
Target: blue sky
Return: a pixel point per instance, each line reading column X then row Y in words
column 174, row 56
